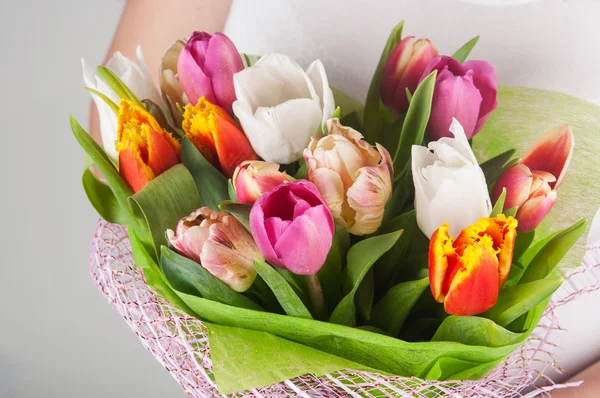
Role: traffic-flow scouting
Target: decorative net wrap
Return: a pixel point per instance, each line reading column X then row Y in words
column 180, row 342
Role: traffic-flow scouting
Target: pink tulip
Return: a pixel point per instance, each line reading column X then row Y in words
column 466, row 92
column 206, row 67
column 354, row 178
column 531, row 185
column 293, row 227
column 253, row 178
column 403, row 71
column 220, row 243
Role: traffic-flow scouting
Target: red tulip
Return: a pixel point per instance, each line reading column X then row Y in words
column 531, row 185
column 467, row 273
column 145, row 148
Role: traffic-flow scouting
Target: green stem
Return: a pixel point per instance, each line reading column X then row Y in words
column 316, row 297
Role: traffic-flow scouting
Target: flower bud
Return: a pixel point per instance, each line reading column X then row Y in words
column 293, row 227
column 145, row 149
column 466, row 92
column 220, row 243
column 403, row 71
column 253, row 178
column 206, row 67
column 354, row 178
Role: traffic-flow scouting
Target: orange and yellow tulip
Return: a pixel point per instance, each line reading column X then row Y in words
column 145, row 148
column 467, row 273
column 216, row 135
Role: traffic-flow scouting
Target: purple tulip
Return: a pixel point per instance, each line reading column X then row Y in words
column 293, row 227
column 466, row 92
column 206, row 67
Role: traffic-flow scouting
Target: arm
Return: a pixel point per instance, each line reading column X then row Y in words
column 155, row 25
column 590, row 387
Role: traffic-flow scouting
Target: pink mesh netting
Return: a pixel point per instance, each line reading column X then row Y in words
column 179, row 341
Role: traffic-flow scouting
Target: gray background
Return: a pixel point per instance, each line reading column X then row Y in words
column 58, row 335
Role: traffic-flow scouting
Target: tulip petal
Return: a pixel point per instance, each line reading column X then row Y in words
column 307, row 258
column 454, row 97
column 318, row 77
column 193, row 80
column 370, row 193
column 391, row 83
column 484, row 78
column 132, row 167
column 441, row 253
column 474, row 287
column 552, row 153
column 518, row 181
column 533, row 211
column 259, row 232
column 222, row 62
column 331, row 188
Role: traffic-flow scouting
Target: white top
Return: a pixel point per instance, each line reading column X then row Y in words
column 551, row 44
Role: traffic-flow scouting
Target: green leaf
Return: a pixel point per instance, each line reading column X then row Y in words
column 152, row 273
column 511, row 212
column 190, row 277
column 389, row 266
column 330, row 274
column 390, row 312
column 373, row 106
column 291, row 303
column 239, row 210
column 514, row 301
column 248, row 59
column 462, row 53
column 114, row 180
column 104, row 201
column 347, row 105
column 301, row 173
column 163, row 202
column 551, row 254
column 107, row 101
column 499, row 206
column 474, row 330
column 231, row 191
column 403, row 190
column 210, row 183
column 117, row 85
column 413, row 129
column 365, row 294
column 408, row 95
column 360, row 258
column 492, row 168
column 352, row 120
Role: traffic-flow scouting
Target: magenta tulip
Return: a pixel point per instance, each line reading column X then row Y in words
column 466, row 92
column 206, row 67
column 293, row 227
column 403, row 71
column 531, row 185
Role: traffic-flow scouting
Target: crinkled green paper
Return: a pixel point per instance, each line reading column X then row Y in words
column 525, row 113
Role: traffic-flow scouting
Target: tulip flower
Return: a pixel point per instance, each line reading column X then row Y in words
column 449, row 184
column 145, row 149
column 531, row 185
column 354, row 178
column 466, row 92
column 467, row 273
column 220, row 243
column 293, row 227
column 169, row 81
column 206, row 67
column 216, row 135
column 136, row 77
column 403, row 71
column 280, row 106
column 254, row 178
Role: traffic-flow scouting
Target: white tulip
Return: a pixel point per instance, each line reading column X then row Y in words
column 280, row 106
column 136, row 77
column 449, row 184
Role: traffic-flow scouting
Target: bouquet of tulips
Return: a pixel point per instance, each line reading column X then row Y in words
column 312, row 233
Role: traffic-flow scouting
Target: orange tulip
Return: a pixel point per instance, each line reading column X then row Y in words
column 145, row 148
column 216, row 135
column 467, row 274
